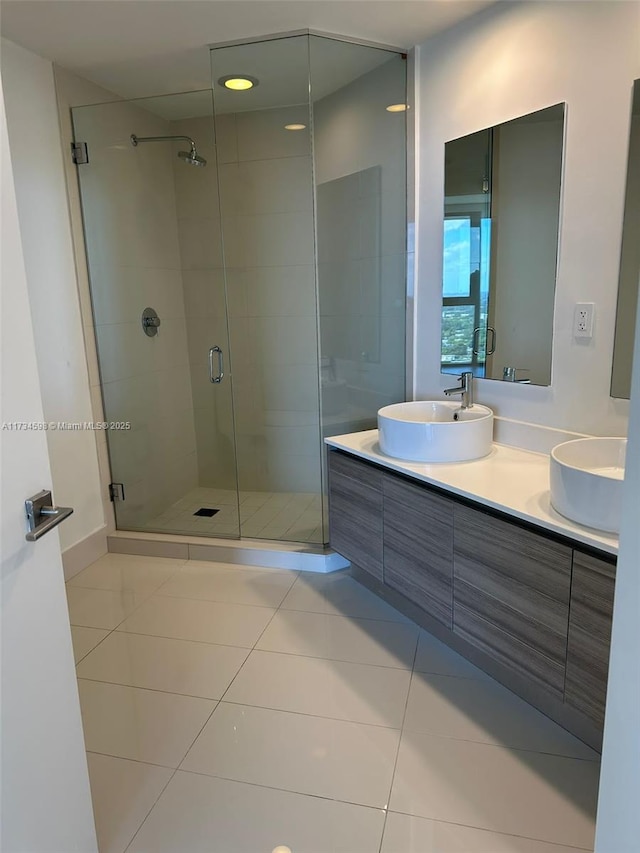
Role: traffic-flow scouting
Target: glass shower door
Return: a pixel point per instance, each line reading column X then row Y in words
column 266, row 193
column 154, row 255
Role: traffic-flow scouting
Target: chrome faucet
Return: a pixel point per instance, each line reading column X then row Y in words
column 465, row 389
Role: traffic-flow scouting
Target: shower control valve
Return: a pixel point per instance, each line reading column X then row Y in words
column 150, row 322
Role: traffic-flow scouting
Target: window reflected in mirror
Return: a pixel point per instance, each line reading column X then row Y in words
column 628, row 281
column 501, row 219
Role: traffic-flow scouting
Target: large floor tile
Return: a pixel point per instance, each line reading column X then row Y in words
column 515, row 792
column 228, row 583
column 175, row 666
column 85, row 639
column 486, row 712
column 127, row 572
column 123, row 794
column 405, row 834
column 322, row 635
column 101, row 608
column 199, row 813
column 436, row 657
column 310, row 755
column 143, row 725
column 203, row 621
column 340, row 594
column 323, row 688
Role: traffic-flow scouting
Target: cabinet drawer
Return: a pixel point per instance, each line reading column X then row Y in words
column 418, row 546
column 538, row 563
column 529, row 622
column 355, row 518
column 592, row 591
column 347, row 466
column 511, row 591
column 507, row 650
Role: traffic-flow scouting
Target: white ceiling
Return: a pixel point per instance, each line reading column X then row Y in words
column 137, row 48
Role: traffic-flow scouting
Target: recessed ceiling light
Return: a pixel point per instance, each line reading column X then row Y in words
column 397, row 108
column 295, row 126
column 238, row 82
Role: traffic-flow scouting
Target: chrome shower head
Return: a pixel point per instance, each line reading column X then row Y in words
column 191, row 157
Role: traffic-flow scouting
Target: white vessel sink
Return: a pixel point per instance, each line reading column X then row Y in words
column 435, row 431
column 586, row 481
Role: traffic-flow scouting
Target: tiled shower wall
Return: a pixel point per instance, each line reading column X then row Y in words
column 129, row 206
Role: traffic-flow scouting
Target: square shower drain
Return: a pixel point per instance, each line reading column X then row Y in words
column 206, row 512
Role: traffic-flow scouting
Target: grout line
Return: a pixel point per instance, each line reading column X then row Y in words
column 333, row 660
column 215, row 600
column 283, row 790
column 559, row 844
column 249, row 655
column 151, row 689
column 153, row 805
column 350, row 616
column 187, row 640
column 144, row 820
column 99, row 643
column 502, row 746
column 395, row 763
column 126, row 758
column 313, row 716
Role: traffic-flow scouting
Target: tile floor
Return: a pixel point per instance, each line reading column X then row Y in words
column 290, row 516
column 230, row 709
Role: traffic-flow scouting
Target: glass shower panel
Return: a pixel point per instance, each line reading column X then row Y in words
column 359, row 99
column 266, row 194
column 152, row 232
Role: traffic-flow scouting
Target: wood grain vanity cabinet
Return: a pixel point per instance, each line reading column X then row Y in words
column 589, row 635
column 418, row 546
column 528, row 606
column 355, row 512
column 511, row 595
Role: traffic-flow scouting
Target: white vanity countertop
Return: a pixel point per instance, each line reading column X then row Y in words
column 509, row 479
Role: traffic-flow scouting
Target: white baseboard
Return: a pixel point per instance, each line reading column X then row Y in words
column 83, row 553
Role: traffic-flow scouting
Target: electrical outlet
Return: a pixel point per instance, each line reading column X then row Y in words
column 583, row 320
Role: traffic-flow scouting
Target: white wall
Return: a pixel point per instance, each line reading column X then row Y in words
column 511, row 60
column 618, row 825
column 36, row 154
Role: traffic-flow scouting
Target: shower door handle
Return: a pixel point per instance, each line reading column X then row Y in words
column 220, row 376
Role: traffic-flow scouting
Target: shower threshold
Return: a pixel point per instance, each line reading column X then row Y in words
column 301, row 556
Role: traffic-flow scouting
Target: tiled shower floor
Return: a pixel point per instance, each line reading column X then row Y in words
column 231, row 709
column 295, row 517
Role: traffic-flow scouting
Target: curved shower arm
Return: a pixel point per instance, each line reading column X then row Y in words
column 137, row 139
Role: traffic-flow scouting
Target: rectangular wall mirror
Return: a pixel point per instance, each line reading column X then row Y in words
column 501, row 219
column 629, row 263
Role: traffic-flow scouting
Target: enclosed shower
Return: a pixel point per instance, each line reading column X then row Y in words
column 245, row 309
